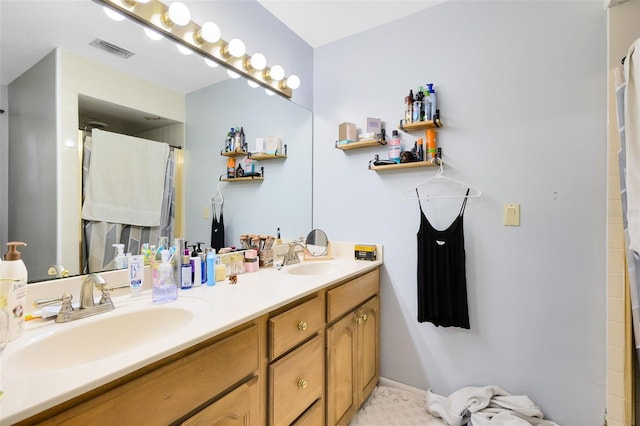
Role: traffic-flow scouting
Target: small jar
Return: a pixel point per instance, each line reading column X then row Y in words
column 251, row 261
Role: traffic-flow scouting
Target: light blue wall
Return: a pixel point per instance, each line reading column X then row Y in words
column 522, row 90
column 283, row 199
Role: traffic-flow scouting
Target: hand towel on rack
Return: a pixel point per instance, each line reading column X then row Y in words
column 125, row 182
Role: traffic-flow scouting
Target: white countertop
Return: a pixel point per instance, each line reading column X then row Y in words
column 29, row 390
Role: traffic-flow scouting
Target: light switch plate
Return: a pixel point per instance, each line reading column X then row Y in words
column 512, row 215
column 205, row 213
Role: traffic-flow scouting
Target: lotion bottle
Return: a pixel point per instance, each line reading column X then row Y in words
column 211, row 267
column 13, row 268
column 196, row 268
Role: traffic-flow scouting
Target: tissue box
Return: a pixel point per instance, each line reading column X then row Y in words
column 365, row 252
column 347, row 133
column 374, row 125
column 274, row 145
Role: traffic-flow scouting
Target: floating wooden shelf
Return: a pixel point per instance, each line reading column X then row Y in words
column 233, row 153
column 412, row 127
column 262, row 156
column 403, row 165
column 242, row 179
column 360, row 144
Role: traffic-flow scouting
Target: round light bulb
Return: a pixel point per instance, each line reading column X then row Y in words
column 153, row 35
column 233, row 74
column 253, row 84
column 179, row 13
column 276, row 73
column 209, row 62
column 209, row 32
column 116, row 16
column 184, row 50
column 269, row 92
column 236, row 48
column 258, row 61
column 293, row 82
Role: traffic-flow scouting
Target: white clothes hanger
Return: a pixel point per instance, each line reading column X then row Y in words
column 439, row 179
column 217, row 200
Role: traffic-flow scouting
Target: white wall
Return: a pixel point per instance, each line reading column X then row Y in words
column 32, row 165
column 522, row 90
column 4, row 162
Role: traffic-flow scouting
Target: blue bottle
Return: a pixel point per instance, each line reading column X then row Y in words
column 211, row 266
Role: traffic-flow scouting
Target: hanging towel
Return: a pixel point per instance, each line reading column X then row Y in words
column 126, row 177
column 632, row 131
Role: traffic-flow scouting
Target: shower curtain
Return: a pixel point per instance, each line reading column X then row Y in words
column 628, row 112
column 98, row 253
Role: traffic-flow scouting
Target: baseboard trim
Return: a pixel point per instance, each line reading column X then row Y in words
column 392, row 383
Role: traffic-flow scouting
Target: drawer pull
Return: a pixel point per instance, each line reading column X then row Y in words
column 358, row 319
column 302, row 384
column 302, row 326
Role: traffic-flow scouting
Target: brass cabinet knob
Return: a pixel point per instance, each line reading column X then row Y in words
column 302, row 326
column 302, row 384
column 358, row 319
column 364, row 317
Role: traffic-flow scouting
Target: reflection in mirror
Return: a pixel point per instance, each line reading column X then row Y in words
column 317, row 243
column 87, row 75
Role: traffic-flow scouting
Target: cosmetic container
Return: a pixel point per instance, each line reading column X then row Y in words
column 14, row 269
column 211, row 266
column 164, row 287
column 136, row 273
column 221, row 269
column 251, row 261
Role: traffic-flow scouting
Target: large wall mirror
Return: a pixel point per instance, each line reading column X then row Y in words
column 75, row 89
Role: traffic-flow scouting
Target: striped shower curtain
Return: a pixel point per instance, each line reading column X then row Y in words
column 98, row 253
column 628, row 156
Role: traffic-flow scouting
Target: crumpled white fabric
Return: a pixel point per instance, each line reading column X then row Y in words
column 485, row 406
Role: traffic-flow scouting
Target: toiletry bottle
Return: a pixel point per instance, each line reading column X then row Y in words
column 196, row 267
column 248, row 165
column 211, row 266
column 136, row 273
column 231, row 167
column 4, row 323
column 428, row 111
column 121, row 258
column 13, row 268
column 203, row 267
column 432, row 144
column 251, row 261
column 409, row 107
column 185, row 270
column 420, row 150
column 434, row 103
column 395, row 147
column 164, row 287
column 221, row 269
column 418, row 107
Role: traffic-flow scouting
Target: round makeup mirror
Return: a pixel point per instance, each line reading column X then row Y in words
column 317, row 243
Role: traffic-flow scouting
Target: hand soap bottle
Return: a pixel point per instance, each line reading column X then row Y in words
column 121, row 258
column 164, row 287
column 13, row 268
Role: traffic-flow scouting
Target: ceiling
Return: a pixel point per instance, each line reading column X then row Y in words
column 73, row 24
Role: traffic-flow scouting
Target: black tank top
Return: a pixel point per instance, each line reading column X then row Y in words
column 442, row 283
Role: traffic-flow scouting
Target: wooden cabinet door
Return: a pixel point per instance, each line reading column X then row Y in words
column 341, row 370
column 237, row 408
column 368, row 348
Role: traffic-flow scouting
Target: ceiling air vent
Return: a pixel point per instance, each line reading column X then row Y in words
column 111, row 48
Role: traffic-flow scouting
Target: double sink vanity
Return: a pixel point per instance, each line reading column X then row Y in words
column 299, row 345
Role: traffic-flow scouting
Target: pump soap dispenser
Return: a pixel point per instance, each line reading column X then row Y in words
column 121, row 258
column 13, row 268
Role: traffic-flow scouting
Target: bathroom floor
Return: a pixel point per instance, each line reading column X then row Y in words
column 390, row 406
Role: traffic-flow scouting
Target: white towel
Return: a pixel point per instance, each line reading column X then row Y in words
column 125, row 182
column 632, row 137
column 485, row 406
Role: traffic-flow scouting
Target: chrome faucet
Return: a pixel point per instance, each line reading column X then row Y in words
column 88, row 306
column 291, row 257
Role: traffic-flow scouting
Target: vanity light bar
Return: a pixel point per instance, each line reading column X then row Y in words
column 150, row 14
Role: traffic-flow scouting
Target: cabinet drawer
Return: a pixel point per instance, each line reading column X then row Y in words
column 314, row 416
column 165, row 395
column 344, row 298
column 294, row 326
column 296, row 381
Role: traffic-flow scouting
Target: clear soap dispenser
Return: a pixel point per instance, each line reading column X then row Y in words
column 164, row 287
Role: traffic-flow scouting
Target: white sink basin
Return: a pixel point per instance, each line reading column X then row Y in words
column 104, row 335
column 318, row 268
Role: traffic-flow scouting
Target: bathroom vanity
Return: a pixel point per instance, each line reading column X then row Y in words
column 293, row 346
